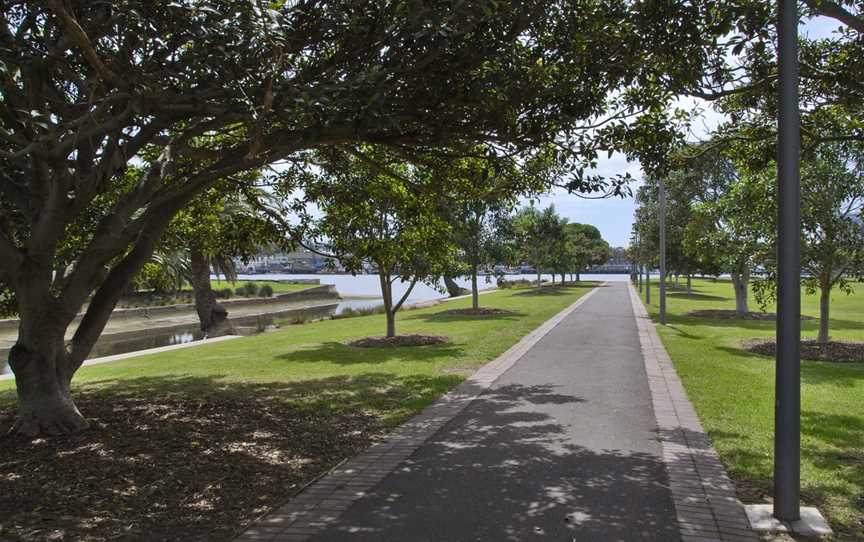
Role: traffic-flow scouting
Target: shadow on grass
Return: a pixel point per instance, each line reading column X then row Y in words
column 555, row 290
column 342, row 354
column 831, row 442
column 193, row 458
column 445, row 317
column 697, row 297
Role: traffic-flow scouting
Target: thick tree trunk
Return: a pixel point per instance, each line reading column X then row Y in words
column 475, row 295
column 740, row 282
column 43, row 375
column 824, row 309
column 453, row 289
column 211, row 314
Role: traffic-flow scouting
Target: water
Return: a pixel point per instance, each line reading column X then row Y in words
column 365, row 290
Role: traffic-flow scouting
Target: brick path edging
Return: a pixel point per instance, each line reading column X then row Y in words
column 322, row 502
column 706, row 506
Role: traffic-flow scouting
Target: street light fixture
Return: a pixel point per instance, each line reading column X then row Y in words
column 787, row 407
column 662, row 219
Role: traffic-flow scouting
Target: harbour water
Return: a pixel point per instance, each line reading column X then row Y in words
column 365, row 290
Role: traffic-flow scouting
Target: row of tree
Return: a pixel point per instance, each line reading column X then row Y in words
column 721, row 218
column 427, row 220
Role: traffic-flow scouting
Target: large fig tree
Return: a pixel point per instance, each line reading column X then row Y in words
column 213, row 88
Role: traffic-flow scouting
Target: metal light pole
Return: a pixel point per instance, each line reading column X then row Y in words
column 662, row 219
column 787, row 406
column 638, row 265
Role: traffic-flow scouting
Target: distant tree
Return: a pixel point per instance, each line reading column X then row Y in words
column 379, row 209
column 588, row 247
column 481, row 193
column 541, row 239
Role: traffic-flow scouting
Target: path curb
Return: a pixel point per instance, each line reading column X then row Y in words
column 706, row 505
column 323, row 501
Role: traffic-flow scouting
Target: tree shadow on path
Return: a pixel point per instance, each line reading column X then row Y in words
column 509, row 470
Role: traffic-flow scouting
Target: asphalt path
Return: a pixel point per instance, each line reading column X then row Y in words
column 563, row 446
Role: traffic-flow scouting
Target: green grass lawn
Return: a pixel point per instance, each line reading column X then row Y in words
column 316, row 352
column 193, row 444
column 278, row 287
column 733, row 392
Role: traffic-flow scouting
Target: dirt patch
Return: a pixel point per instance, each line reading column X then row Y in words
column 399, row 340
column 156, row 468
column 723, row 314
column 834, row 351
column 481, row 311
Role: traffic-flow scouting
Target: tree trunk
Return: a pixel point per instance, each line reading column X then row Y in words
column 647, row 286
column 824, row 309
column 453, row 289
column 387, row 295
column 538, row 277
column 740, row 282
column 578, row 276
column 211, row 314
column 689, row 285
column 43, row 375
column 475, row 296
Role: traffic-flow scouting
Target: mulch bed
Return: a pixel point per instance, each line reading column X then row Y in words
column 481, row 311
column 834, row 351
column 399, row 340
column 167, row 468
column 722, row 314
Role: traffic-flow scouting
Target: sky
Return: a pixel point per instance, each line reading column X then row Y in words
column 614, row 217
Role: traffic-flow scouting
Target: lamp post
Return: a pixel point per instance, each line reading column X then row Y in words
column 787, row 407
column 662, row 220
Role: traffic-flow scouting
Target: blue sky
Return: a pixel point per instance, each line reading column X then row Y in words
column 614, row 217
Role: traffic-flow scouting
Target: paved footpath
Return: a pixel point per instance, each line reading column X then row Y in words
column 564, row 446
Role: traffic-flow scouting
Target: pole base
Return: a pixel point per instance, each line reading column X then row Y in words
column 811, row 524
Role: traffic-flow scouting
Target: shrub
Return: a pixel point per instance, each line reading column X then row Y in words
column 265, row 291
column 251, row 288
column 351, row 312
column 224, row 293
column 241, row 291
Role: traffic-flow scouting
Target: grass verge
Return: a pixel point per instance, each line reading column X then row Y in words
column 733, row 392
column 193, row 444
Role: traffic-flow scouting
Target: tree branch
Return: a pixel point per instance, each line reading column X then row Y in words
column 838, row 12
column 80, row 38
column 404, row 297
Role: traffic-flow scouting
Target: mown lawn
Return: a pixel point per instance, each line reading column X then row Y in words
column 193, row 444
column 733, row 392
